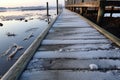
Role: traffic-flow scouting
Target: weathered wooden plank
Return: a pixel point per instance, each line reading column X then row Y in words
column 85, row 4
column 105, row 54
column 78, row 47
column 74, row 64
column 70, row 75
column 49, row 42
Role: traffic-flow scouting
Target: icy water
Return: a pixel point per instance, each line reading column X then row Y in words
column 21, row 28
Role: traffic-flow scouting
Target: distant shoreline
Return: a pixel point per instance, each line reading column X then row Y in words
column 30, row 8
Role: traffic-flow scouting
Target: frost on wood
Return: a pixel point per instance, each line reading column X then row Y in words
column 93, row 66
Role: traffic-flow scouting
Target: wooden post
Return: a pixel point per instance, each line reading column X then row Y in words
column 47, row 12
column 57, row 7
column 82, row 9
column 112, row 8
column 74, row 9
column 47, row 8
column 101, row 11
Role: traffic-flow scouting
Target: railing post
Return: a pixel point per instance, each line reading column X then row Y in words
column 101, row 11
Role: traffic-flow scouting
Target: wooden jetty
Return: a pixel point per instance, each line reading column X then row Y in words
column 74, row 49
column 71, row 48
column 99, row 6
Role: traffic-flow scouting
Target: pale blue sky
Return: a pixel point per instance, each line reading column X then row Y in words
column 14, row 3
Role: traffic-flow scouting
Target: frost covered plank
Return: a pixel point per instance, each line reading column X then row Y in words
column 77, row 47
column 70, row 75
column 72, row 64
column 74, row 29
column 70, row 24
column 77, row 34
column 79, row 55
column 74, row 37
column 71, row 30
column 48, row 42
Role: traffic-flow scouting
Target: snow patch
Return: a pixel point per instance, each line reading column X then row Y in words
column 93, row 66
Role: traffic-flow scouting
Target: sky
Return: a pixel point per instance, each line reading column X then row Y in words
column 18, row 3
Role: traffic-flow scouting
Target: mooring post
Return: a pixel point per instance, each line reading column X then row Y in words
column 47, row 8
column 57, row 7
column 47, row 12
column 101, row 11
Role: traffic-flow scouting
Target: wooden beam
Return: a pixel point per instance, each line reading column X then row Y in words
column 113, row 3
column 85, row 4
column 101, row 11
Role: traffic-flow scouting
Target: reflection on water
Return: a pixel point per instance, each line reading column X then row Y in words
column 19, row 15
column 25, row 33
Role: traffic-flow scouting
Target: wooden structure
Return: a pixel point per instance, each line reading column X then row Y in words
column 74, row 50
column 101, row 6
column 69, row 49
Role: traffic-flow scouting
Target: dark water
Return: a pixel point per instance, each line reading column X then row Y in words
column 12, row 23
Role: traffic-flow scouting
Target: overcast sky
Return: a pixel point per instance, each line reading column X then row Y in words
column 17, row 3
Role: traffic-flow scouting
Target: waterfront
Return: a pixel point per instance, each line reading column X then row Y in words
column 26, row 26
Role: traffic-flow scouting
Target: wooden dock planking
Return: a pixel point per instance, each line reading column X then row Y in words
column 68, row 51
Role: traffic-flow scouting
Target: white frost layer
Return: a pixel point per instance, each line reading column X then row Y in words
column 79, row 54
column 48, row 42
column 70, row 64
column 70, row 75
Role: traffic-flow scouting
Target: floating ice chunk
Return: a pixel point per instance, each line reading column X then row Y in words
column 93, row 66
column 29, row 36
column 14, row 52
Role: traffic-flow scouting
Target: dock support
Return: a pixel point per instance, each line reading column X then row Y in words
column 74, row 9
column 112, row 8
column 101, row 11
column 82, row 9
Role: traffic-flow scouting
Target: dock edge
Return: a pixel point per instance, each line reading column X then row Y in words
column 107, row 34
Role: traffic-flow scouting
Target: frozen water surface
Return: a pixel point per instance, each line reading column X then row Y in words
column 74, row 50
